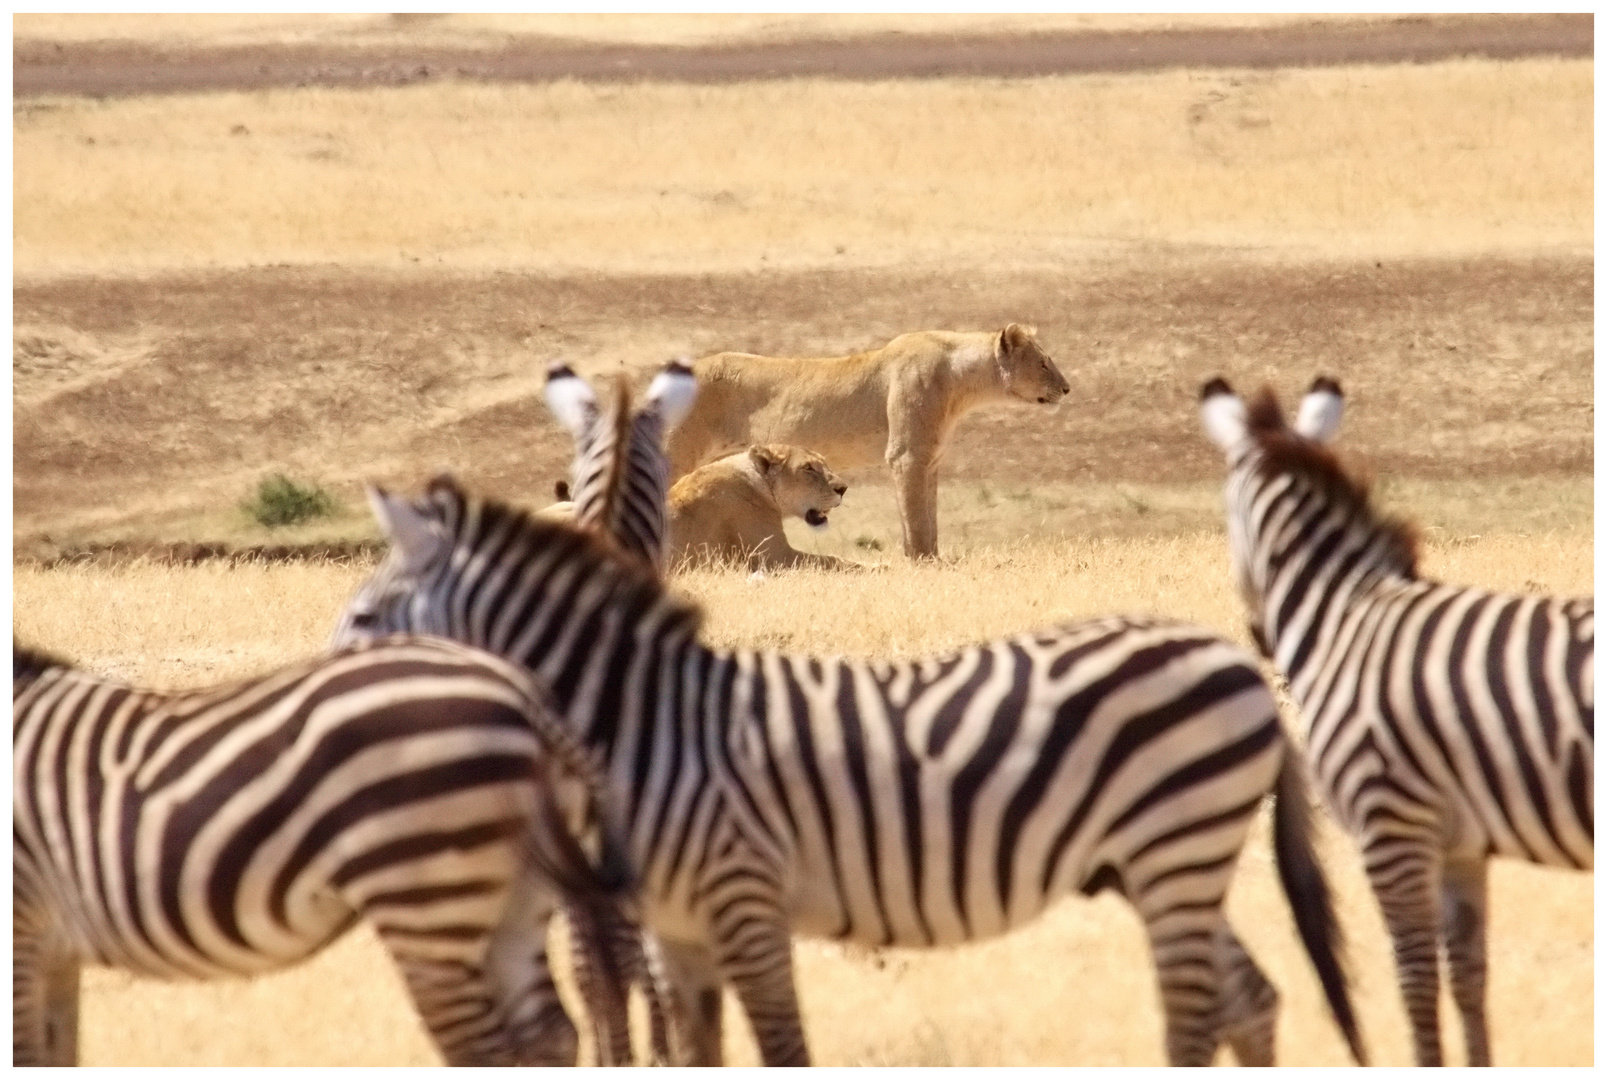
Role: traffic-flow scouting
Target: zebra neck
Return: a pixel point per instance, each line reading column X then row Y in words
column 1314, row 586
column 617, row 695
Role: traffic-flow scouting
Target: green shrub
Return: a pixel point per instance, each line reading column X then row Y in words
column 281, row 501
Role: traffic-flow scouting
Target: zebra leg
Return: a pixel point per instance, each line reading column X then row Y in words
column 1406, row 883
column 601, row 944
column 1247, row 1009
column 44, row 1006
column 756, row 958
column 486, row 999
column 44, row 988
column 1464, row 895
column 666, row 1021
column 1188, row 958
column 695, row 978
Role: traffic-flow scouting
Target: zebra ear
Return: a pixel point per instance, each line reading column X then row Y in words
column 1222, row 413
column 1321, row 410
column 411, row 532
column 570, row 399
column 673, row 390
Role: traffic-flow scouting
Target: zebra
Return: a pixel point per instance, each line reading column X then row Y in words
column 1444, row 724
column 916, row 802
column 420, row 784
column 620, row 477
column 620, row 474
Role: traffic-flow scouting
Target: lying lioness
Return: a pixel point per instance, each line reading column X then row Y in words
column 731, row 510
column 896, row 404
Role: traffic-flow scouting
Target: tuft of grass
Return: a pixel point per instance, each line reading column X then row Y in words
column 279, row 500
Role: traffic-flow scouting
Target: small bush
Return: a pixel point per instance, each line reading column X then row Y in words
column 282, row 501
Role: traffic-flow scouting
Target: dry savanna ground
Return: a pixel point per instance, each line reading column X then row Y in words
column 1355, row 162
column 368, row 283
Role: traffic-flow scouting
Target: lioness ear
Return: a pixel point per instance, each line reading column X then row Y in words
column 1013, row 337
column 560, row 489
column 764, row 459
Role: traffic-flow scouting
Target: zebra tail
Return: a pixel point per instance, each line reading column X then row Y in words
column 1309, row 896
column 597, row 897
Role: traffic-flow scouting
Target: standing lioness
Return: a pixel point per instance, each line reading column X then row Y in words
column 895, row 404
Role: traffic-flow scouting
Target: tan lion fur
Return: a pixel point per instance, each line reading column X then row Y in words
column 731, row 510
column 563, row 510
column 895, row 404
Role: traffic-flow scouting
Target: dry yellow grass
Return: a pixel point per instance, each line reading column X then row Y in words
column 1422, row 159
column 489, row 31
column 1075, row 987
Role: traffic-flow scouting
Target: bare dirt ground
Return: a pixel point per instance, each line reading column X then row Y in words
column 151, row 398
column 131, row 67
column 130, row 392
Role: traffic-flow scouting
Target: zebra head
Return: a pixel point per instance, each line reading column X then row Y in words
column 420, row 544
column 620, row 475
column 1230, row 425
column 1253, row 437
column 492, row 575
column 1291, row 503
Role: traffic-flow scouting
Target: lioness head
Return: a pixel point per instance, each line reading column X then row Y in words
column 799, row 481
column 1028, row 372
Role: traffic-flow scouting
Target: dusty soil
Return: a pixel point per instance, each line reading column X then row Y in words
column 142, row 394
column 123, row 68
column 137, row 398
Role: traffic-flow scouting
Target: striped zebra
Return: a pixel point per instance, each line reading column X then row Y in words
column 419, row 784
column 1444, row 724
column 620, row 475
column 912, row 802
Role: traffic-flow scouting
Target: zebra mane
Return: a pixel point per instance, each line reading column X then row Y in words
column 30, row 663
column 618, row 417
column 1285, row 452
column 635, row 583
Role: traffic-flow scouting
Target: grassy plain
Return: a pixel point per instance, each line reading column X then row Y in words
column 1093, row 1002
column 368, row 283
column 1360, row 161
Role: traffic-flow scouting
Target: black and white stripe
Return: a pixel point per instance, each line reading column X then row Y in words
column 421, row 785
column 914, row 803
column 620, row 475
column 1444, row 724
column 621, row 481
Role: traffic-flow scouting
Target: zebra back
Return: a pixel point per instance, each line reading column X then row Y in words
column 820, row 765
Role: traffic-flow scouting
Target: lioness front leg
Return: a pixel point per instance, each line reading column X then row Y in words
column 812, row 561
column 775, row 553
column 916, row 483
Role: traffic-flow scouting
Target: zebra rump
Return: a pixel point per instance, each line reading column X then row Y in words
column 417, row 784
